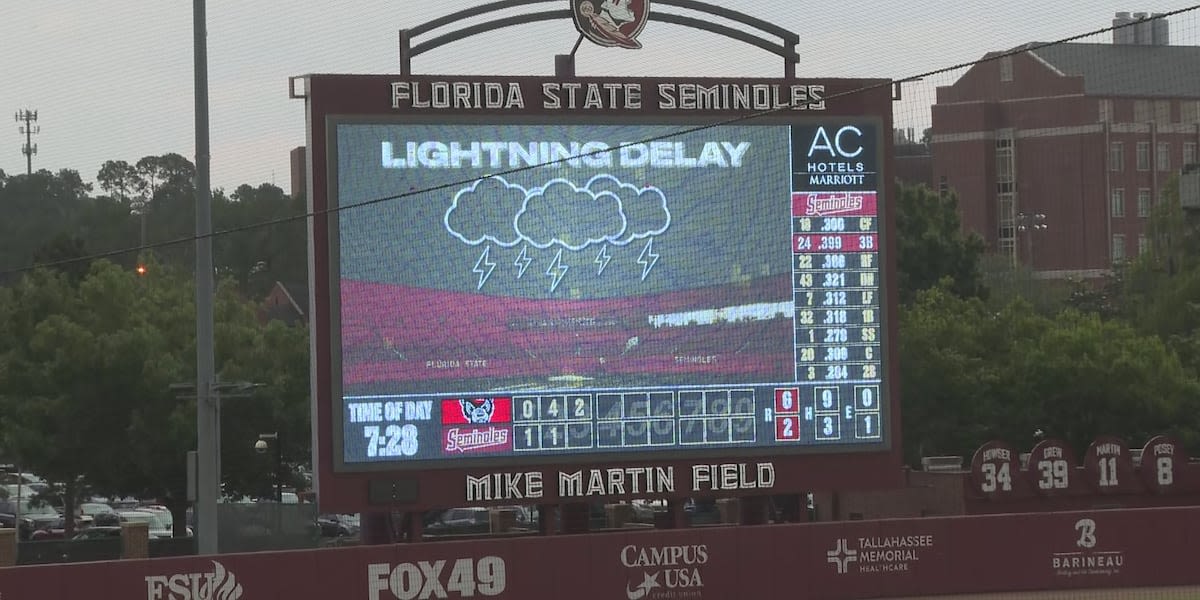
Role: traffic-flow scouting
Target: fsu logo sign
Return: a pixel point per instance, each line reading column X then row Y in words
column 611, row 23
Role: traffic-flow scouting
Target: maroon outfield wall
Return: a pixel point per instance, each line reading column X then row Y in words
column 861, row 559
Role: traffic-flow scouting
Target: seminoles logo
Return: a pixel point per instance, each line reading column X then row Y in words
column 476, row 439
column 477, row 410
column 832, row 205
column 611, row 23
column 1087, row 533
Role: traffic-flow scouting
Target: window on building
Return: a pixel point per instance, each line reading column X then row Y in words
column 1189, row 111
column 1142, row 111
column 1118, row 202
column 1162, row 196
column 1145, row 202
column 1116, row 157
column 943, row 185
column 1143, row 156
column 1006, row 68
column 1106, row 109
column 1162, row 156
column 1118, row 247
column 1189, row 153
column 1162, row 111
column 1143, row 244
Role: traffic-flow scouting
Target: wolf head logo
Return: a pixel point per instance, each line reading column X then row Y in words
column 478, row 410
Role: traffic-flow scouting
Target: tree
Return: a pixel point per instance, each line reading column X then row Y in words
column 86, row 371
column 71, row 372
column 272, row 249
column 119, row 178
column 930, row 245
column 969, row 375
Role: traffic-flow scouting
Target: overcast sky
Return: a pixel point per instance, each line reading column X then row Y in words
column 112, row 79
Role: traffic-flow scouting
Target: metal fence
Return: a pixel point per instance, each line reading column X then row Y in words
column 63, row 551
column 242, row 528
column 267, row 526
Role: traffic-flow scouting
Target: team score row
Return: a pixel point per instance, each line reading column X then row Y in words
column 824, row 372
column 834, row 354
column 552, row 436
column 836, row 279
column 835, row 242
column 554, row 408
column 827, row 400
column 394, row 440
column 837, row 316
column 806, row 262
column 835, row 224
column 838, row 335
column 829, row 428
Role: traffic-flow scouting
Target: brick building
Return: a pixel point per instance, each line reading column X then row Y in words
column 1081, row 138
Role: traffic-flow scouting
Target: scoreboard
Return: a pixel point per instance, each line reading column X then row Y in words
column 615, row 289
column 542, row 289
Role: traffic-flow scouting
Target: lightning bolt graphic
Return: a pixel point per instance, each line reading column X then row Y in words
column 556, row 271
column 484, row 267
column 647, row 258
column 522, row 261
column 602, row 259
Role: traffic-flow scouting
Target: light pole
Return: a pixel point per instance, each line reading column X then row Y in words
column 265, row 441
column 138, row 207
column 208, row 484
column 208, row 445
column 1027, row 225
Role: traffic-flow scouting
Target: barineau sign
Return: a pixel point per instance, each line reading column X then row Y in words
column 1110, row 549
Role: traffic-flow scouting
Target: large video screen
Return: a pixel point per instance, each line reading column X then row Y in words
column 535, row 292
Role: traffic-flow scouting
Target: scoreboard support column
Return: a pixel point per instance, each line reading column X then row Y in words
column 375, row 529
column 576, row 517
column 755, row 510
column 547, row 516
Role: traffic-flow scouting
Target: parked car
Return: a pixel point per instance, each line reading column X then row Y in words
column 91, row 509
column 160, row 522
column 99, row 532
column 33, row 515
column 55, row 530
column 474, row 519
column 335, row 525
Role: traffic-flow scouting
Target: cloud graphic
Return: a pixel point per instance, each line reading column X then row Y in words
column 573, row 218
column 645, row 207
column 484, row 212
column 604, row 211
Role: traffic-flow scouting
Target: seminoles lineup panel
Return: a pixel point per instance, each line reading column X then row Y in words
column 334, row 100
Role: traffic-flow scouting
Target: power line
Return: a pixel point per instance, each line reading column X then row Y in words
column 681, row 132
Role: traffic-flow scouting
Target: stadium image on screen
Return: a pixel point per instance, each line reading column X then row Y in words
column 538, row 288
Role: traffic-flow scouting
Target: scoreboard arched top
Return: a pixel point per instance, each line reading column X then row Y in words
column 785, row 47
column 995, row 469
